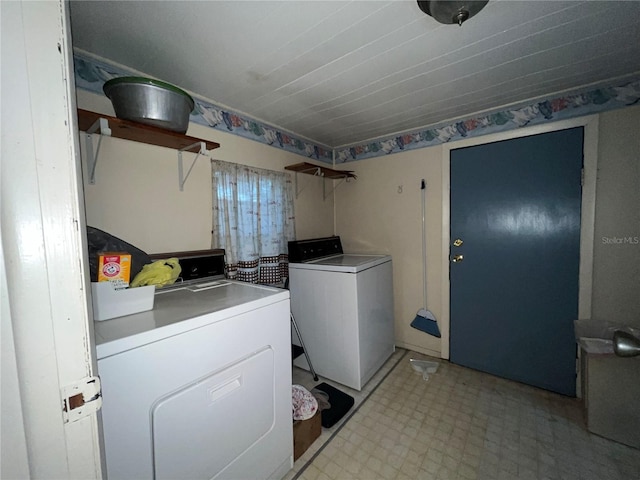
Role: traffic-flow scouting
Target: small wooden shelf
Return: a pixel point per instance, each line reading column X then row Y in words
column 105, row 125
column 324, row 172
column 138, row 132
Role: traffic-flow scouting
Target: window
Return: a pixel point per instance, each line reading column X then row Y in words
column 253, row 220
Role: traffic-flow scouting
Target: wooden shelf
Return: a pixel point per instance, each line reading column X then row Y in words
column 138, row 132
column 324, row 172
column 105, row 125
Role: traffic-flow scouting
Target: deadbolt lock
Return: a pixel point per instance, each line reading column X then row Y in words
column 457, row 242
column 457, row 258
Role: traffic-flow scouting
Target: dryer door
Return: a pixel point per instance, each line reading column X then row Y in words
column 205, row 427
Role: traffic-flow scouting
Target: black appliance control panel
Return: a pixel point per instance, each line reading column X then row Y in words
column 197, row 264
column 301, row 251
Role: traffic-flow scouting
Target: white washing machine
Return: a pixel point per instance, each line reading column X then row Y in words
column 200, row 386
column 343, row 305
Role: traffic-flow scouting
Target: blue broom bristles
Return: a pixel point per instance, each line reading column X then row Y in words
column 426, row 325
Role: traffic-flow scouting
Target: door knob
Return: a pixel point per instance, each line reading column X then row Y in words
column 457, row 258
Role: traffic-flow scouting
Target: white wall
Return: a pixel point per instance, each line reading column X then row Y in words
column 381, row 213
column 616, row 269
column 136, row 195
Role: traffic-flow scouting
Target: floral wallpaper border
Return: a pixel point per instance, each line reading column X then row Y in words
column 549, row 110
column 90, row 74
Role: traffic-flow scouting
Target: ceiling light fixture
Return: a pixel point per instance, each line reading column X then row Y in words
column 452, row 11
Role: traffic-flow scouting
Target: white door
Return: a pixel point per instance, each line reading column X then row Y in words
column 43, row 248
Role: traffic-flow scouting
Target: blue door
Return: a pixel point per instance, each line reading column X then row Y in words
column 515, row 252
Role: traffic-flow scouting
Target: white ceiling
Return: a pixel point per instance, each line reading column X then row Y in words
column 341, row 72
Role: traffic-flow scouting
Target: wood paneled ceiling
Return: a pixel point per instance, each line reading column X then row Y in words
column 341, row 72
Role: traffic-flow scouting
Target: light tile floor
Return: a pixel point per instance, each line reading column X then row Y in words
column 459, row 424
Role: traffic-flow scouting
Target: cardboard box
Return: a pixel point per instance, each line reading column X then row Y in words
column 114, row 267
column 305, row 433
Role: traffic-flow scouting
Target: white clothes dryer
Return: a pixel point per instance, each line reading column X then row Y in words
column 200, row 386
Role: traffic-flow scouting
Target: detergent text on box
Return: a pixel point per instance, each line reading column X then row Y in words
column 114, row 267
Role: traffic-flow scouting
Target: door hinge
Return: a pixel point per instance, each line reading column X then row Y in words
column 81, row 399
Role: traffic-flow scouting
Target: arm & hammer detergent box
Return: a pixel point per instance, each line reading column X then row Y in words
column 114, row 267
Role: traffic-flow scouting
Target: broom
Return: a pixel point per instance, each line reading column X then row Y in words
column 425, row 321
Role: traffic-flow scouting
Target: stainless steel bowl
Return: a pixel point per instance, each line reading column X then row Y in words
column 151, row 102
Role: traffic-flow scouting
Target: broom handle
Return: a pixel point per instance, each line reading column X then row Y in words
column 423, row 188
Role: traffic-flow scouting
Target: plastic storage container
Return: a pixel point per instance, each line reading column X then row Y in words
column 111, row 303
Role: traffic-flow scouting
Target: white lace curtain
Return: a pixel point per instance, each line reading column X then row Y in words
column 253, row 220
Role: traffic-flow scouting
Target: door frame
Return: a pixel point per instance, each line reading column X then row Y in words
column 45, row 291
column 587, row 211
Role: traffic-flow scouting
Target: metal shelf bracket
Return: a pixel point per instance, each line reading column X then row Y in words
column 323, row 172
column 102, row 126
column 182, row 178
column 326, row 194
column 315, row 171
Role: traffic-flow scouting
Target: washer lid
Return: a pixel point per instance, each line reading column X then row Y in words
column 348, row 263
